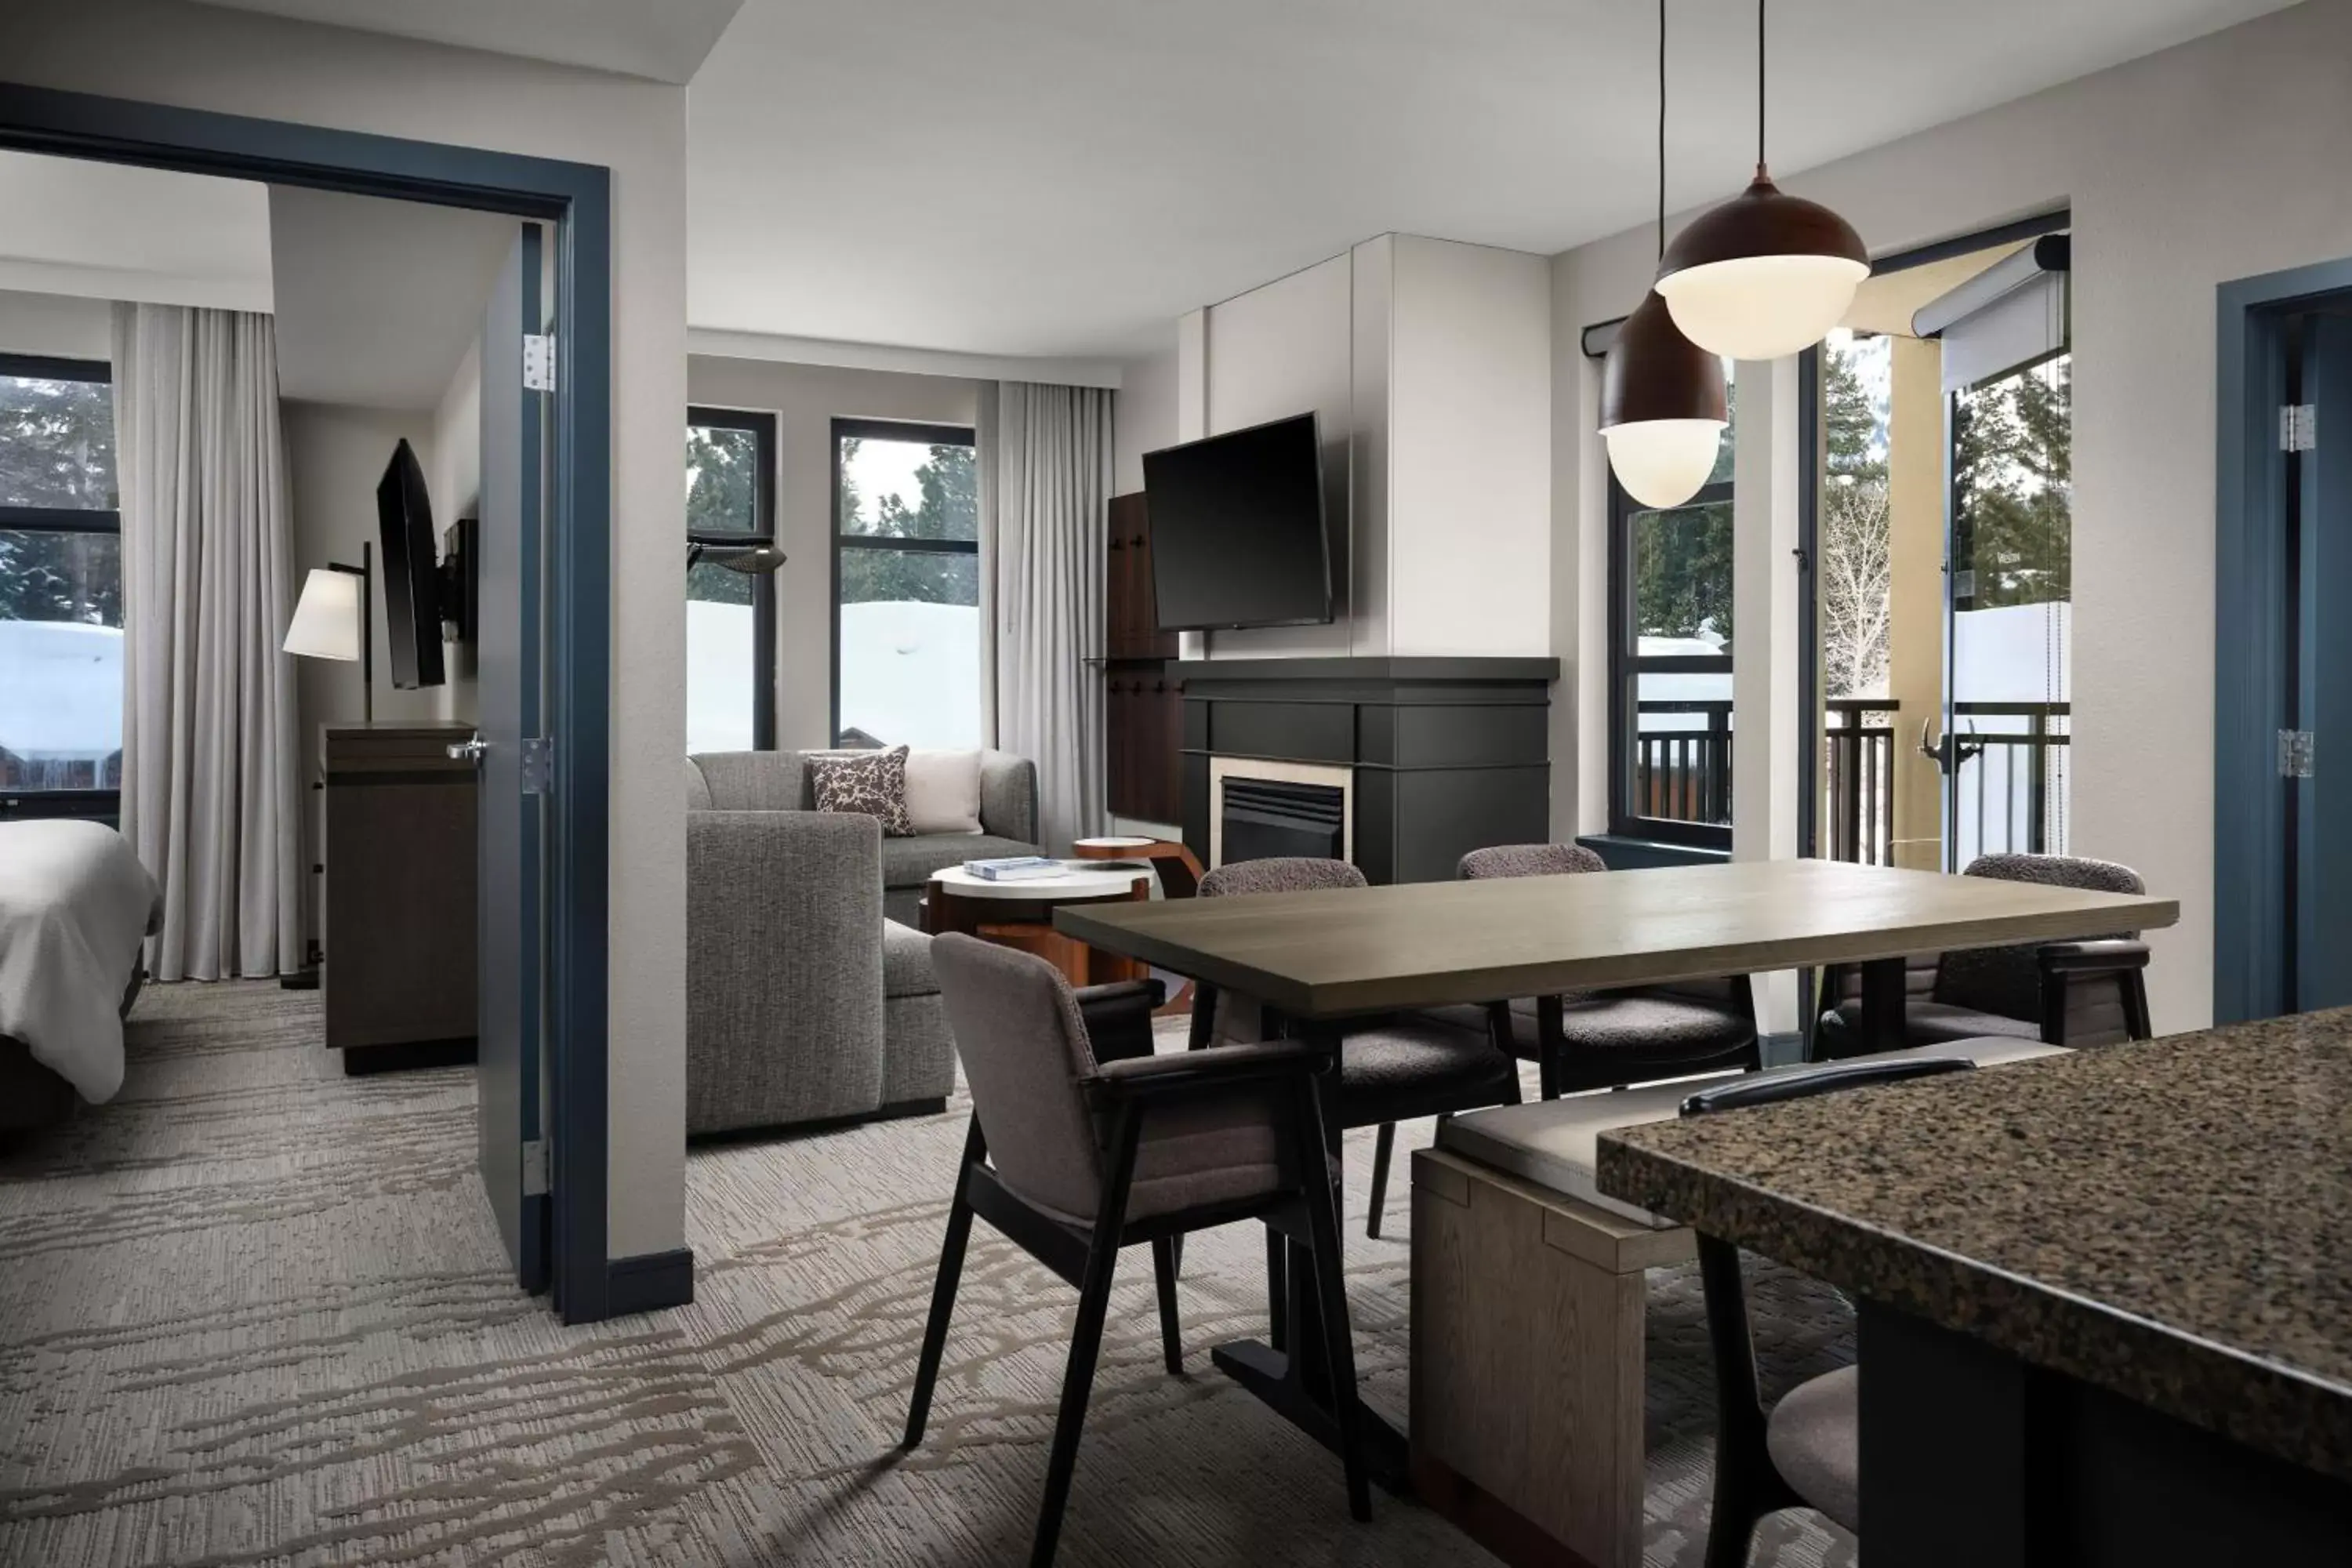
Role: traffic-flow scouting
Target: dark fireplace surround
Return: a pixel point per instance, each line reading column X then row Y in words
column 1443, row 754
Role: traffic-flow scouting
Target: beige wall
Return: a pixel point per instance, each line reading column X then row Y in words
column 806, row 399
column 261, row 66
column 1144, row 417
column 2213, row 161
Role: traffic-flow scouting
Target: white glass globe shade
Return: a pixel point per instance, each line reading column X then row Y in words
column 1762, row 307
column 1663, row 462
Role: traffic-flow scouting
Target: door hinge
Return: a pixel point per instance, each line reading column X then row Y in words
column 2298, row 426
column 538, row 361
column 2295, row 753
column 534, row 1167
column 538, row 764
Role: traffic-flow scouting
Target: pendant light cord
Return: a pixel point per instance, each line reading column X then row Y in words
column 1662, row 130
column 1760, row 89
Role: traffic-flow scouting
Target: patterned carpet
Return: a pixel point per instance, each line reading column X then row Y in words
column 254, row 1313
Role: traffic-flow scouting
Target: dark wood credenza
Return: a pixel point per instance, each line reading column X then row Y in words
column 398, row 895
column 1144, row 703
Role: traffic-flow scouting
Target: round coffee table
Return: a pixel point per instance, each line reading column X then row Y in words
column 1019, row 913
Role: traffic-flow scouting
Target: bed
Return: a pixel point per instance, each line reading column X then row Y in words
column 75, row 906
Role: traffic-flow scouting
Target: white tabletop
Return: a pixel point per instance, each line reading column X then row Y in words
column 1078, row 879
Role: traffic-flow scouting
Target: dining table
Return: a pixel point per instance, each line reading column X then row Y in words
column 1318, row 959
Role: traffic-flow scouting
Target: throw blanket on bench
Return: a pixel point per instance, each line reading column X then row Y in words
column 74, row 903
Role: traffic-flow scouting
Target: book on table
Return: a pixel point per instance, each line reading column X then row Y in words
column 1013, row 868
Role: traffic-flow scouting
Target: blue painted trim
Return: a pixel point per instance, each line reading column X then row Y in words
column 577, row 198
column 1627, row 854
column 2249, row 656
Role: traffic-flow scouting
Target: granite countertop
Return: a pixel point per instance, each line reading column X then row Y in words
column 2170, row 1220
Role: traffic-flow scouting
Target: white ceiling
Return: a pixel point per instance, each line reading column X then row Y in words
column 378, row 301
column 1065, row 177
column 109, row 231
column 664, row 40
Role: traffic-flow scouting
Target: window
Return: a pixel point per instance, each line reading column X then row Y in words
column 1670, row 664
column 730, row 615
column 60, row 590
column 906, row 578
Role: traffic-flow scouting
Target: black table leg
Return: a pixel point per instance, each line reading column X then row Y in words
column 1884, row 982
column 1293, row 1379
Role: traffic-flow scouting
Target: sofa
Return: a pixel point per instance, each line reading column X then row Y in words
column 779, row 781
column 808, row 999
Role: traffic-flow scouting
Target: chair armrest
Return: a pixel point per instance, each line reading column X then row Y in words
column 2108, row 956
column 1212, row 1069
column 1118, row 1017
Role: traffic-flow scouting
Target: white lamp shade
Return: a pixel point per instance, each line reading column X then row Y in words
column 1762, row 307
column 1663, row 462
column 326, row 622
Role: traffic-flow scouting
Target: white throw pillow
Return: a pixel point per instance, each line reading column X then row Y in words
column 943, row 791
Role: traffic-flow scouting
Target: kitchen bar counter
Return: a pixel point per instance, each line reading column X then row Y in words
column 2169, row 1221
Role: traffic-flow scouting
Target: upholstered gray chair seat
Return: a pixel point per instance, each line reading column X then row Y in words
column 1929, row 1023
column 1812, row 1435
column 1206, row 1152
column 1382, row 1069
column 911, row 862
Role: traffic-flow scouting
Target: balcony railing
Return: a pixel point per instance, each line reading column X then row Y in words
column 1858, row 769
column 1681, row 761
column 2012, row 790
column 2010, row 793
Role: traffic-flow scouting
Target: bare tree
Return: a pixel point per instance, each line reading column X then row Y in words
column 1855, row 585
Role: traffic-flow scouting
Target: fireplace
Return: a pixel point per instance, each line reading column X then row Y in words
column 1261, row 809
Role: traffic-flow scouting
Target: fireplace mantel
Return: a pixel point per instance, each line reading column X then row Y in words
column 1447, row 754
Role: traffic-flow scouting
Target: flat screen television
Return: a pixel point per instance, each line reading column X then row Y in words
column 411, row 578
column 1237, row 535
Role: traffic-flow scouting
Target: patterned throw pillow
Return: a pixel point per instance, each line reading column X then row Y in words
column 871, row 783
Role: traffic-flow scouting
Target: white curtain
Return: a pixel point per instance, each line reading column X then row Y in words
column 1049, row 483
column 210, row 797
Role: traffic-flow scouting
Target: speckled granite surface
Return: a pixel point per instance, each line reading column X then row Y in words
column 2171, row 1220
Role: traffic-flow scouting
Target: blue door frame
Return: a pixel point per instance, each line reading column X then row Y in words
column 2250, row 657
column 576, row 199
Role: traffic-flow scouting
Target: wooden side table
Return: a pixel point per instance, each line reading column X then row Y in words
column 1179, row 877
column 1020, row 914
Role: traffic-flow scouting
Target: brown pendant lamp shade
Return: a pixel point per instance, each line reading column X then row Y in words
column 1662, row 407
column 1763, row 275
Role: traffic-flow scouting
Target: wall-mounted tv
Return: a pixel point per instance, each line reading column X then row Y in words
column 411, row 578
column 1237, row 533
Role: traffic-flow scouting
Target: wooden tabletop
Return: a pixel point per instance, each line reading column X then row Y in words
column 1325, row 954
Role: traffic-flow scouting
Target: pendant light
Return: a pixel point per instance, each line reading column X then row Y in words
column 1663, row 409
column 1764, row 274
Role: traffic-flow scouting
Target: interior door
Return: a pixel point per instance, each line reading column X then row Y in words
column 2321, row 495
column 512, row 1150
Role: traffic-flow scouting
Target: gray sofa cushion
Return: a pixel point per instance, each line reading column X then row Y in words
column 909, row 862
column 755, row 781
column 905, row 961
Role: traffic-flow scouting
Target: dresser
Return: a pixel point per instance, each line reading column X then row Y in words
column 398, row 894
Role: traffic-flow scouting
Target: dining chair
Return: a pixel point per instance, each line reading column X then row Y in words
column 1805, row 1451
column 2062, row 993
column 1392, row 1068
column 1074, row 1157
column 1614, row 1040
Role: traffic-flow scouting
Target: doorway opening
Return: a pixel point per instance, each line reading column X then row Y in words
column 548, row 619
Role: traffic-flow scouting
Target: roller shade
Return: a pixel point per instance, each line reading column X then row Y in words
column 2011, row 313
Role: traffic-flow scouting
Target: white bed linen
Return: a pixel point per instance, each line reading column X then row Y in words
column 74, row 903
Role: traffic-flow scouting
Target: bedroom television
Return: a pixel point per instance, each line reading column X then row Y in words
column 1237, row 528
column 412, row 577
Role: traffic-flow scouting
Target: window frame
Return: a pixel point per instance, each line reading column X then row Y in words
column 1625, row 669
column 844, row 428
column 762, row 425
column 17, row 802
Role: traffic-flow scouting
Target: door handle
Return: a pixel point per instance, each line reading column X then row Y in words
column 468, row 751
